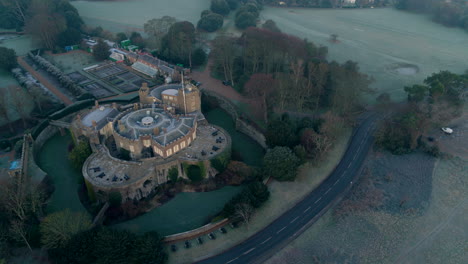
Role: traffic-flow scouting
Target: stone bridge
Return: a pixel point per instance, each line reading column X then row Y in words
column 60, row 124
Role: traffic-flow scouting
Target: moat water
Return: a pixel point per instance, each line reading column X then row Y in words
column 185, row 212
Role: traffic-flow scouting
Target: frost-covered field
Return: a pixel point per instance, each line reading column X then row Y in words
column 122, row 16
column 394, row 47
column 433, row 233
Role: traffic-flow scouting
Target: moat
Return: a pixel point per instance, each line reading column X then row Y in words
column 174, row 216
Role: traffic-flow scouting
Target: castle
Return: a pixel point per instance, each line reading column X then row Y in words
column 165, row 130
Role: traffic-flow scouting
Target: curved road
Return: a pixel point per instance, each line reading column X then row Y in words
column 284, row 229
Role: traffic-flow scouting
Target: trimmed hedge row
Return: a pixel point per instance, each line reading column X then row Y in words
column 71, row 109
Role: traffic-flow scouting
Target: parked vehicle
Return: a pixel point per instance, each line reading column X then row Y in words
column 447, row 130
column 211, row 236
column 200, row 241
column 187, row 244
column 173, row 248
column 223, row 230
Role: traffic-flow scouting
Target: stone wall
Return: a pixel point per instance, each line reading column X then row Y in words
column 241, row 125
column 47, row 133
column 251, row 131
column 195, row 232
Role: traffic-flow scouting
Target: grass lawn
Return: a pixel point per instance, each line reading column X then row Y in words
column 71, row 61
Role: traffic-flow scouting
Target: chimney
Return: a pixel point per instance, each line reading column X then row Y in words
column 96, row 104
column 94, row 123
column 114, row 105
column 156, row 131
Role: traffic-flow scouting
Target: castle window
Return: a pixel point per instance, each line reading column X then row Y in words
column 176, row 148
column 121, row 144
column 182, row 144
column 132, row 149
column 169, row 152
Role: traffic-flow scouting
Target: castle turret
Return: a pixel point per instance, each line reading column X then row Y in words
column 144, row 94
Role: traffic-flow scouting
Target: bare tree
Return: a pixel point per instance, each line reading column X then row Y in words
column 18, row 8
column 244, row 211
column 18, row 231
column 19, row 99
column 45, row 25
column 4, row 110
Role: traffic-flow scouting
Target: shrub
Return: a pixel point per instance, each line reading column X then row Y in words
column 194, row 173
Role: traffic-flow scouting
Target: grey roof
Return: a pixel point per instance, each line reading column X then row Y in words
column 170, row 129
column 170, row 92
column 145, row 69
column 99, row 115
column 156, row 92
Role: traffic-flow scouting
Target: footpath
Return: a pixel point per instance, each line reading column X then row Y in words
column 52, row 88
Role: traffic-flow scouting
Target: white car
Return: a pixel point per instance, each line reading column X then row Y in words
column 447, row 130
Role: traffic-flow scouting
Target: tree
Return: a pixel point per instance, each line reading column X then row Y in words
column 280, row 132
column 58, row 228
column 177, row 44
column 194, row 173
column 18, row 102
column 105, row 245
column 220, row 7
column 281, row 163
column 149, row 249
column 70, row 36
column 210, row 22
column 259, row 86
column 7, row 59
column 4, row 106
column 137, row 39
column 245, row 20
column 101, row 50
column 121, row 36
column 199, row 57
column 79, row 154
column 157, row 28
column 416, row 93
column 271, row 25
column 173, row 174
column 45, row 24
column 244, row 211
column 258, row 193
column 17, row 8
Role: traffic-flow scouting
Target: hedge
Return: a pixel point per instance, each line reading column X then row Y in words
column 38, row 129
column 72, row 109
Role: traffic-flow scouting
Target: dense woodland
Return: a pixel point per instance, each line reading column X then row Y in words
column 449, row 13
column 284, row 72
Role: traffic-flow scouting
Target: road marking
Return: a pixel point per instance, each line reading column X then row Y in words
column 318, row 200
column 294, row 220
column 280, row 230
column 265, row 241
column 248, row 251
column 307, row 209
column 232, row 260
column 328, row 191
column 336, row 182
column 349, row 165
